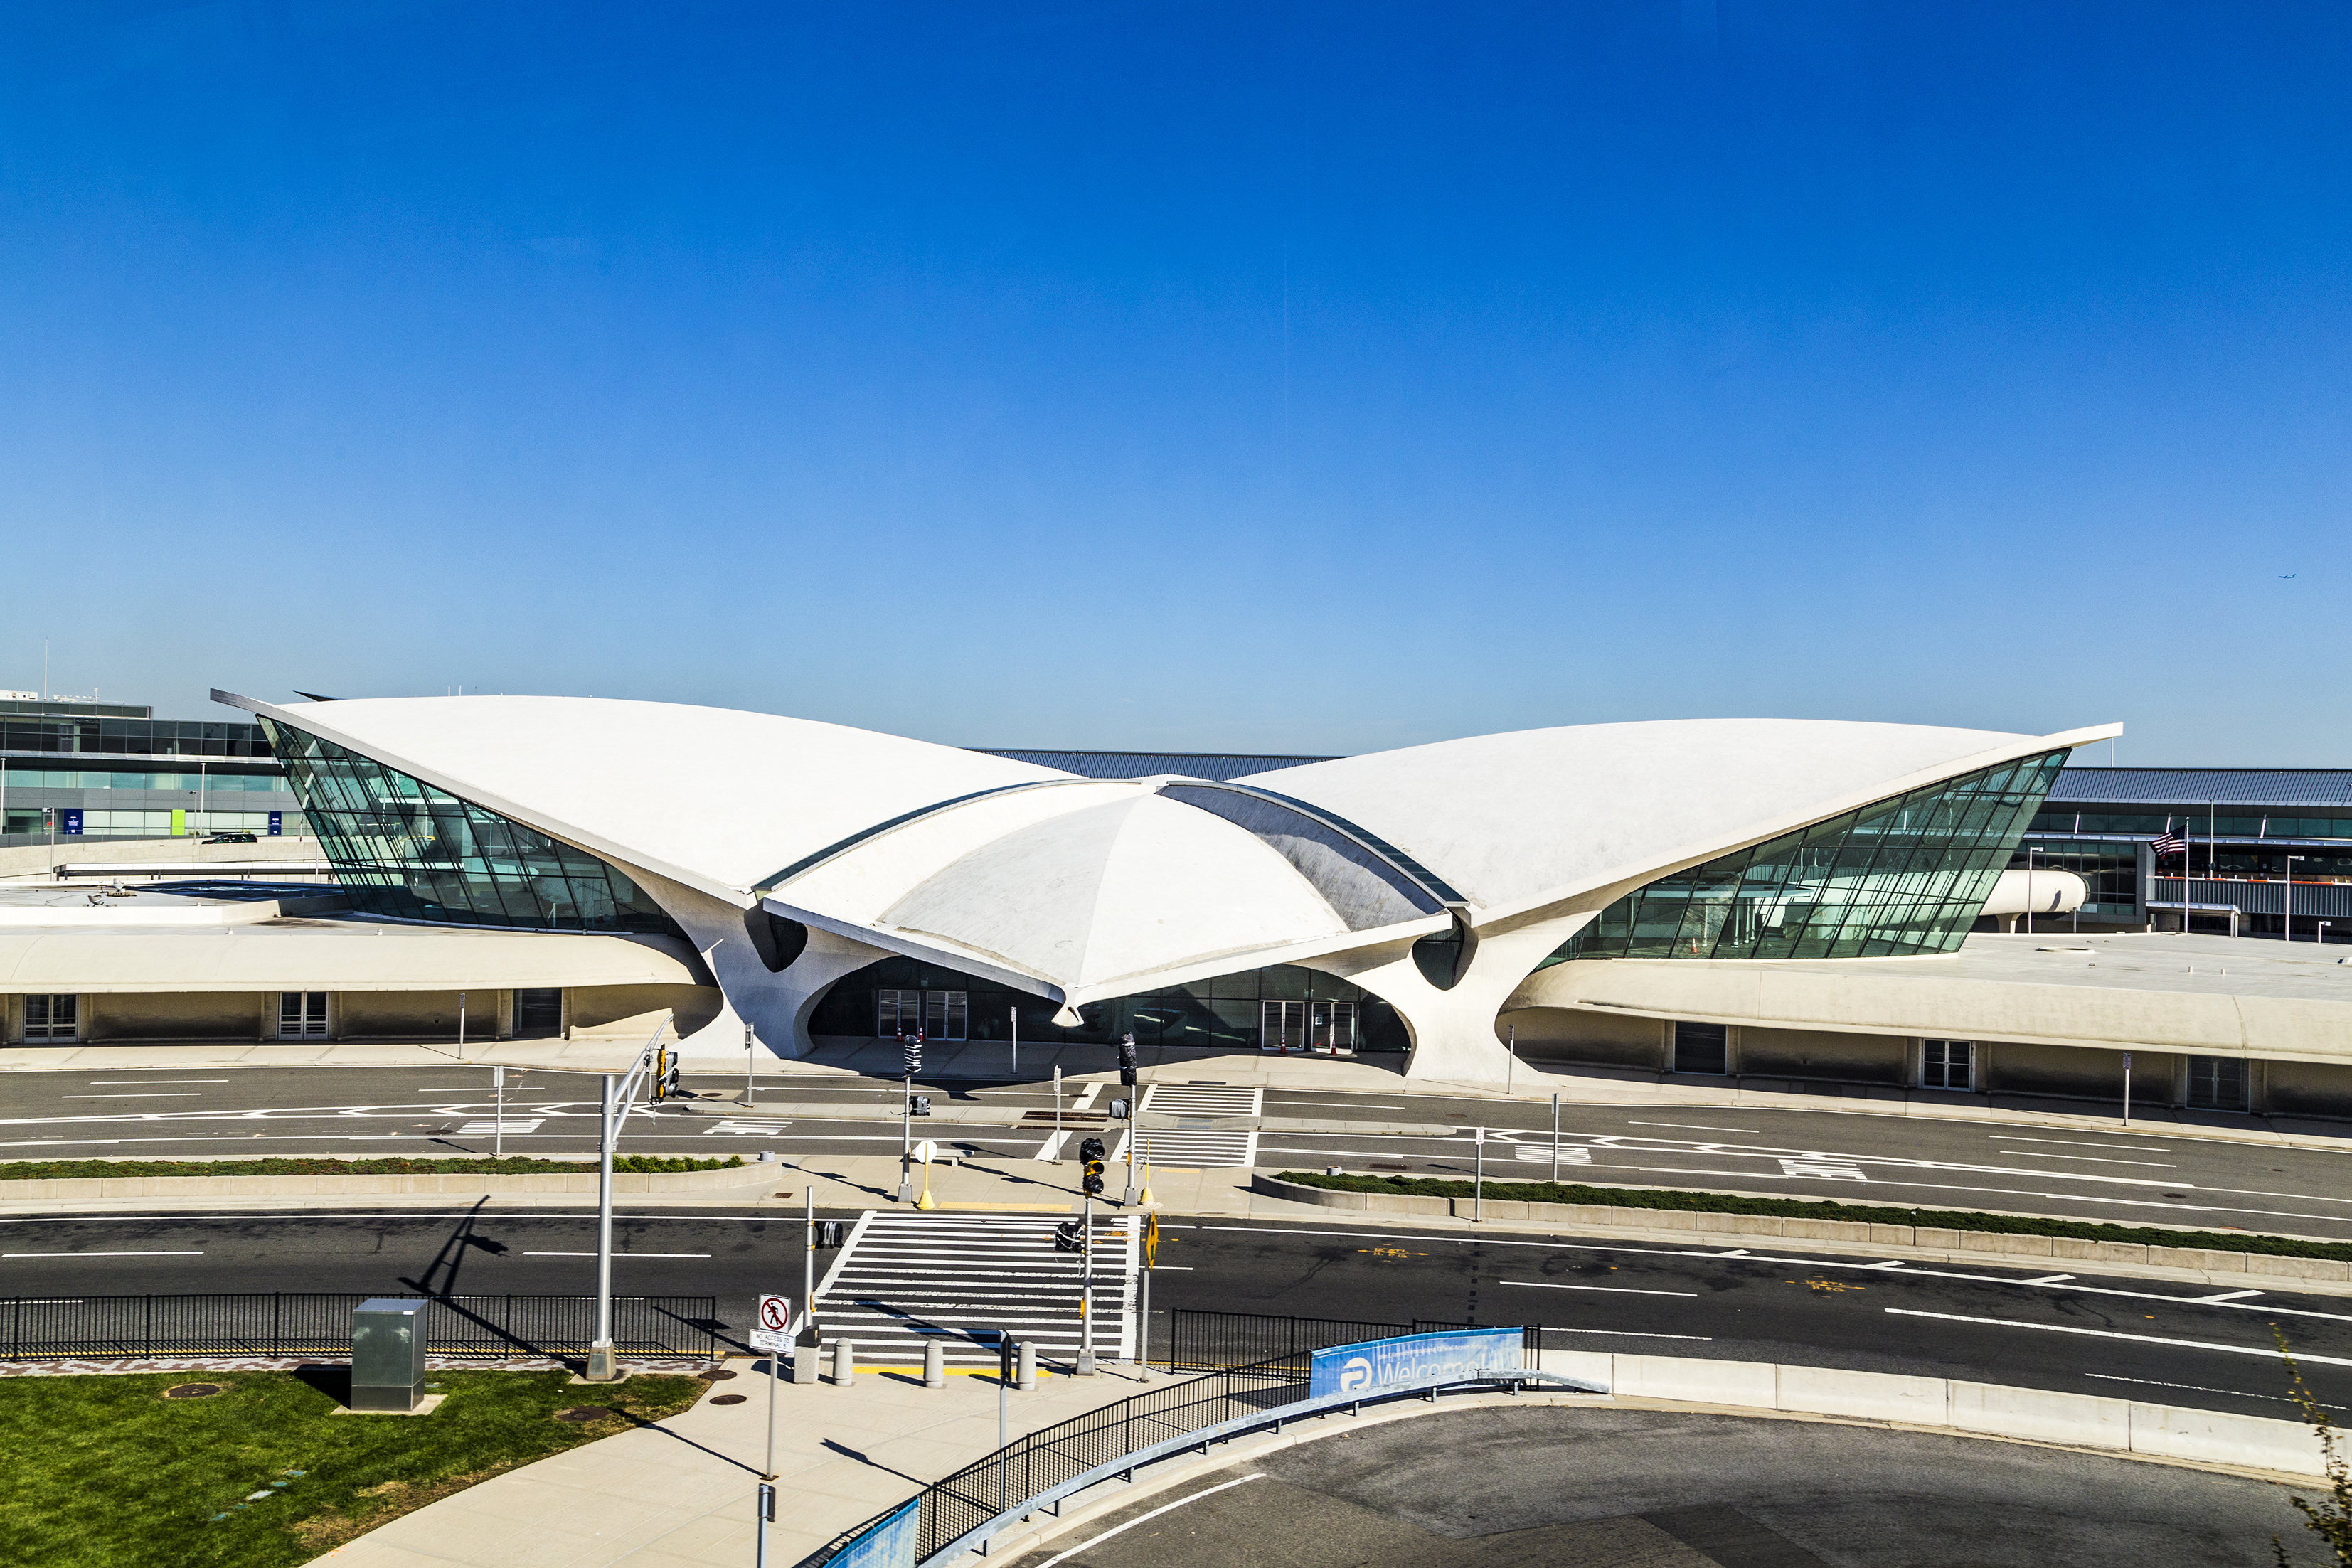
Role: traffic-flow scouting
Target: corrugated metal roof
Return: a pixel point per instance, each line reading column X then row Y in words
column 1147, row 764
column 2195, row 786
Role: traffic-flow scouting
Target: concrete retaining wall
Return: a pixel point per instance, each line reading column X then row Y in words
column 2077, row 1420
column 520, row 1183
column 2036, row 1248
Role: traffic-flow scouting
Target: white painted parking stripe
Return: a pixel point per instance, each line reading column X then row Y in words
column 187, row 1253
column 2268, row 1350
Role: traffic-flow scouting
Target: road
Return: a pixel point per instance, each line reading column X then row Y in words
column 1561, row 1488
column 2170, row 1176
column 2161, row 1342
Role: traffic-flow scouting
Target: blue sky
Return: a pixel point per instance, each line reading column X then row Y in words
column 1262, row 377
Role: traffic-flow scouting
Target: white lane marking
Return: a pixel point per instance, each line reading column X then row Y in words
column 173, row 1094
column 1742, row 1254
column 619, row 1254
column 2081, row 1143
column 131, row 1082
column 2197, row 1388
column 1086, row 1101
column 737, row 1129
column 2110, row 1333
column 1155, row 1514
column 1335, row 1104
column 187, row 1252
column 1540, row 1153
column 1186, row 1100
column 2092, row 1159
column 476, row 1129
column 1612, row 1290
column 1051, row 1149
column 1828, row 1168
column 2226, row 1296
column 1698, row 1127
column 1630, row 1333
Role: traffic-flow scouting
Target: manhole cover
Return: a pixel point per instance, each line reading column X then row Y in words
column 721, row 1376
column 582, row 1412
column 192, row 1391
column 727, row 1398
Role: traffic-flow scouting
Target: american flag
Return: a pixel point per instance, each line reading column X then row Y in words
column 2169, row 844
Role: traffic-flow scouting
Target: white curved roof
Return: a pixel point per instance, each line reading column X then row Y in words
column 1091, row 887
column 623, row 778
column 1522, row 819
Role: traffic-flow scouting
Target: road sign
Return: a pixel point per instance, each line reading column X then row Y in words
column 926, row 1151
column 775, row 1319
column 1150, row 1238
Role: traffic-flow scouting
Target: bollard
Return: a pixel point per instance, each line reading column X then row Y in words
column 935, row 1366
column 845, row 1363
column 804, row 1360
column 1025, row 1375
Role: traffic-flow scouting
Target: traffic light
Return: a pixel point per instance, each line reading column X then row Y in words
column 1127, row 1062
column 1068, row 1237
column 664, row 1074
column 1090, row 1152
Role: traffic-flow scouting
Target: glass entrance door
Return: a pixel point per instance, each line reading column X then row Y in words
column 897, row 1012
column 302, row 1014
column 1282, row 1026
column 50, row 1018
column 944, row 1014
column 1331, row 1028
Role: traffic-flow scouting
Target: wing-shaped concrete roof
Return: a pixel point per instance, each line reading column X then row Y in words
column 1518, row 820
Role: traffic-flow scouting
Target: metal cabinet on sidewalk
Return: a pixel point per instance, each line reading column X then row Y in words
column 388, row 1353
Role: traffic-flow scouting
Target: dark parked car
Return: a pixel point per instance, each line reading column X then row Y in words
column 232, row 839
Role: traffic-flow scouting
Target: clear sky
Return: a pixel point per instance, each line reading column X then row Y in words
column 1262, row 376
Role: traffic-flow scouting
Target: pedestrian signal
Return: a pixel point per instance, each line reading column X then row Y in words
column 1091, row 1153
column 1068, row 1237
column 922, row 1105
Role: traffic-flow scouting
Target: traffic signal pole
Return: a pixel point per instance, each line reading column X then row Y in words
column 1086, row 1291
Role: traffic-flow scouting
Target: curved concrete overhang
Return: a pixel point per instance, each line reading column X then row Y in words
column 1595, row 891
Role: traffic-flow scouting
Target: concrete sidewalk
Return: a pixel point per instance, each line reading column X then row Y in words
column 682, row 1493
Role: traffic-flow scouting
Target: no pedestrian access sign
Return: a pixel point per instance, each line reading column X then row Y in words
column 772, row 1332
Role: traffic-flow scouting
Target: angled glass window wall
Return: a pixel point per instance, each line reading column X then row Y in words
column 407, row 851
column 1899, row 877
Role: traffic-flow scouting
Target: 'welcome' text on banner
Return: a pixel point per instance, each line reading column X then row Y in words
column 1413, row 1361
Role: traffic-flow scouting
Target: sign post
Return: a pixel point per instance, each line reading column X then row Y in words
column 499, row 1127
column 926, row 1151
column 1478, row 1182
column 2126, row 1088
column 775, row 1336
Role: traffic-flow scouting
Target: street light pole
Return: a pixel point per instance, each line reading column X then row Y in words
column 2288, row 927
column 599, row 1350
column 2030, row 853
column 751, row 1066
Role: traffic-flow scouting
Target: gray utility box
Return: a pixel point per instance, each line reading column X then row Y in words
column 388, row 1353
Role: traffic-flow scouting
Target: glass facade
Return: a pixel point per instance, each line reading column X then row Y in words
column 2110, row 871
column 1231, row 1011
column 1902, row 876
column 2194, row 822
column 407, row 851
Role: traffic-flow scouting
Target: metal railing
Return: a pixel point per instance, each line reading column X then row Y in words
column 950, row 1508
column 287, row 1323
column 1204, row 1341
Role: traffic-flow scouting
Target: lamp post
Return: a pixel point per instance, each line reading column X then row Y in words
column 2287, row 924
column 2029, row 853
column 2321, row 935
column 751, row 1066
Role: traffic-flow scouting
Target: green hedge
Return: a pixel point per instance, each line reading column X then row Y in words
column 50, row 1170
column 1826, row 1208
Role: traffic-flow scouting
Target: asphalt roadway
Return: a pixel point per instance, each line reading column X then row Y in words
column 2167, row 1175
column 2121, row 1338
column 1557, row 1487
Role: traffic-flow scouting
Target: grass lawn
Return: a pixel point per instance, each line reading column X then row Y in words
column 299, row 1165
column 104, row 1472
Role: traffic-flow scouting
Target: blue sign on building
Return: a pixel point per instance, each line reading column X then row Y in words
column 69, row 820
column 277, row 824
column 1413, row 1361
column 890, row 1544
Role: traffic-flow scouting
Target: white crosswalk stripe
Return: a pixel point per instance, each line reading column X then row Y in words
column 483, row 1129
column 1191, row 1149
column 1569, row 1155
column 903, row 1280
column 1835, row 1170
column 743, row 1129
column 1201, row 1099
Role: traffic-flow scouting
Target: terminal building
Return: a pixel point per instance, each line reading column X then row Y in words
column 1852, row 908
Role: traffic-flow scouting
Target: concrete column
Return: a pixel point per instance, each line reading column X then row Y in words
column 1025, row 1369
column 804, row 1360
column 935, row 1366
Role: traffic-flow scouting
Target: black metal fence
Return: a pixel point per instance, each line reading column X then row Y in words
column 319, row 1324
column 1233, row 1389
column 1204, row 1341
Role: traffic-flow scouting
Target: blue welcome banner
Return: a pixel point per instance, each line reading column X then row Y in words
column 890, row 1544
column 1414, row 1360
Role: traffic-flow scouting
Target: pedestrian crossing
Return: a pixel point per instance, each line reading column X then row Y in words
column 1569, row 1154
column 906, row 1281
column 1189, row 1149
column 1201, row 1099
